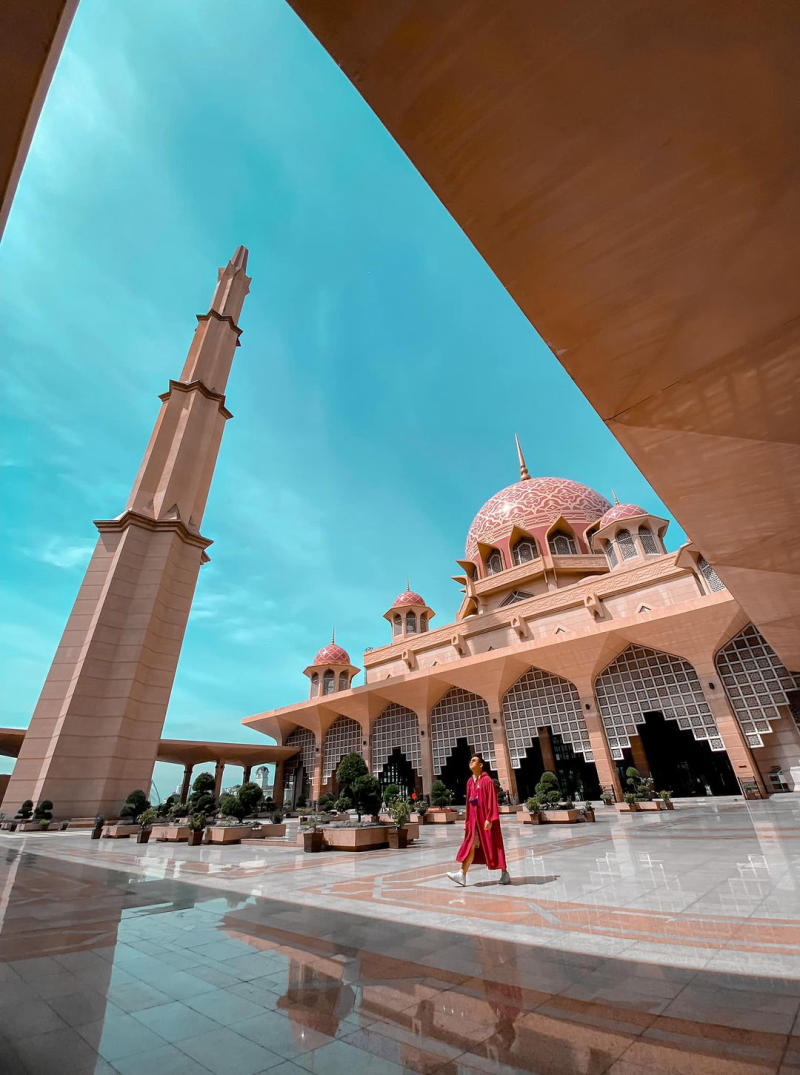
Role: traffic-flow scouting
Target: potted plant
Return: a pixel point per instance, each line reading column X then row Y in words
column 607, row 798
column 401, row 814
column 532, row 814
column 23, row 815
column 44, row 814
column 441, row 812
column 420, row 809
column 145, row 821
column 97, row 830
column 588, row 811
column 197, row 824
column 313, row 837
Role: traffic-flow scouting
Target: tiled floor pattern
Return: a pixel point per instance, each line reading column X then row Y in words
column 663, row 944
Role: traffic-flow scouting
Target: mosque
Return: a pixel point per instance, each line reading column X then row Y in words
column 581, row 646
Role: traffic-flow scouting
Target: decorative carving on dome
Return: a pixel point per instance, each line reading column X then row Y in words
column 534, row 503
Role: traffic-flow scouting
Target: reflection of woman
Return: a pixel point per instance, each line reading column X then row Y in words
column 483, row 840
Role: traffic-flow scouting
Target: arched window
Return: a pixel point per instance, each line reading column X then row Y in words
column 397, row 623
column 648, row 540
column 328, row 682
column 713, row 581
column 411, row 623
column 494, row 565
column 611, row 553
column 315, row 685
column 563, row 545
column 423, row 621
column 343, row 681
column 626, row 546
column 524, row 551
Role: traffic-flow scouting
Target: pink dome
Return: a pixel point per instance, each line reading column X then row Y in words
column 332, row 654
column 621, row 511
column 408, row 598
column 533, row 503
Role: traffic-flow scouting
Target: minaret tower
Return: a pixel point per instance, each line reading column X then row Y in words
column 95, row 731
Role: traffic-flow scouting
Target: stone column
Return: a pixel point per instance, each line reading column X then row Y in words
column 639, row 757
column 218, row 771
column 607, row 772
column 246, row 771
column 736, row 746
column 425, row 753
column 546, row 746
column 505, row 774
column 277, row 786
column 316, row 779
column 187, row 781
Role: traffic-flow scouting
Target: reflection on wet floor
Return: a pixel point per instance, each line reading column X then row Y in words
column 103, row 970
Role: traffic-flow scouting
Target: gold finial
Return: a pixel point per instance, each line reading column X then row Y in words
column 333, row 635
column 523, row 470
column 614, row 494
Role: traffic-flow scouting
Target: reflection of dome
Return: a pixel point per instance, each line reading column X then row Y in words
column 332, row 654
column 535, row 502
column 621, row 511
column 407, row 598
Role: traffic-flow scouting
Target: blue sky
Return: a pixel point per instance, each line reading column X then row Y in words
column 383, row 371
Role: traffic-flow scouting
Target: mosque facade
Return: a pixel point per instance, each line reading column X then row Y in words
column 581, row 646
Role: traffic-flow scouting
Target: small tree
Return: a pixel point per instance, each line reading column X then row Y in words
column 343, row 804
column 44, row 811
column 231, row 806
column 250, row 796
column 326, row 801
column 25, row 811
column 367, row 794
column 547, row 790
column 350, row 768
column 136, row 802
column 146, row 818
column 390, row 793
column 400, row 810
column 441, row 795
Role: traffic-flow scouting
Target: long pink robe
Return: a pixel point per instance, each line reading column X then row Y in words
column 481, row 807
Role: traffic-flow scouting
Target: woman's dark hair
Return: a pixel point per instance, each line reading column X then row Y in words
column 479, row 757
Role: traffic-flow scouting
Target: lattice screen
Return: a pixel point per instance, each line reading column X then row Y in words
column 303, row 739
column 344, row 737
column 714, row 582
column 460, row 715
column 396, row 727
column 648, row 540
column 644, row 680
column 541, row 700
column 755, row 681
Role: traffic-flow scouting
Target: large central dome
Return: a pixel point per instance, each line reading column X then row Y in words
column 532, row 504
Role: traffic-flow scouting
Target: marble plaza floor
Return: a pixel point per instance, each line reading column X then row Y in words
column 650, row 943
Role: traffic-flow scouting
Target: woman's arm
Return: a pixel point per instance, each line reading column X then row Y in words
column 490, row 802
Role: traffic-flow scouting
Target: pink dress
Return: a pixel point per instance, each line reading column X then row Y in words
column 482, row 806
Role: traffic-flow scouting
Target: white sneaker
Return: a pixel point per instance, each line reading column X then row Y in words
column 505, row 878
column 458, row 877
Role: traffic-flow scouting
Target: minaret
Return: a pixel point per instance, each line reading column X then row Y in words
column 95, row 731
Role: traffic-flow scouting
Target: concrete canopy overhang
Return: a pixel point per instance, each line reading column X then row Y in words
column 630, row 173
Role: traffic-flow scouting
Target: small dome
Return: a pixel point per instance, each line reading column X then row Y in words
column 332, row 654
column 531, row 503
column 621, row 511
column 408, row 598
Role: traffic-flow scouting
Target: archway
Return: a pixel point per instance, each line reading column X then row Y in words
column 682, row 764
column 529, row 770
column 298, row 770
column 344, row 737
column 577, row 777
column 460, row 716
column 455, row 771
column 395, row 734
column 398, row 770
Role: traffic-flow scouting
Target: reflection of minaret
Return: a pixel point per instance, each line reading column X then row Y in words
column 95, row 730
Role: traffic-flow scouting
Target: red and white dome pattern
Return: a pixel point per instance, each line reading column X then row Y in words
column 533, row 503
column 408, row 598
column 621, row 511
column 332, row 654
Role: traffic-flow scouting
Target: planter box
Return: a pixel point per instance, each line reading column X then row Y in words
column 172, row 833
column 227, row 834
column 508, row 809
column 120, row 832
column 196, row 837
column 273, row 832
column 313, row 841
column 627, row 808
column 656, row 804
column 81, row 823
column 562, row 817
column 441, row 815
column 357, row 839
column 398, row 838
column 527, row 818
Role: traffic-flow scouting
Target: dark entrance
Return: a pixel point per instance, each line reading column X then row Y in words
column 682, row 764
column 577, row 777
column 398, row 770
column 455, row 773
column 530, row 770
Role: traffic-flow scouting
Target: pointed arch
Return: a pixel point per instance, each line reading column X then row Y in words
column 301, row 763
column 458, row 715
column 542, row 700
column 642, row 680
column 755, row 681
column 395, row 727
column 344, row 737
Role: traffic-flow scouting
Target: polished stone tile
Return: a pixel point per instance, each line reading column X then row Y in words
column 175, row 1021
column 223, row 1051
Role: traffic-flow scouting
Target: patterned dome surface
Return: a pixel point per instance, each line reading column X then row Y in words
column 332, row 654
column 408, row 598
column 534, row 503
column 621, row 511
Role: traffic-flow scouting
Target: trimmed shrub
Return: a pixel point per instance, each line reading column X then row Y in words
column 441, row 795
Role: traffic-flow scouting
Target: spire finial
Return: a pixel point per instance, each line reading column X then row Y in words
column 523, row 470
column 408, row 583
column 614, row 494
column 333, row 635
column 239, row 259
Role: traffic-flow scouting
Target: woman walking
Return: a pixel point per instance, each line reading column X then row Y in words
column 483, row 840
